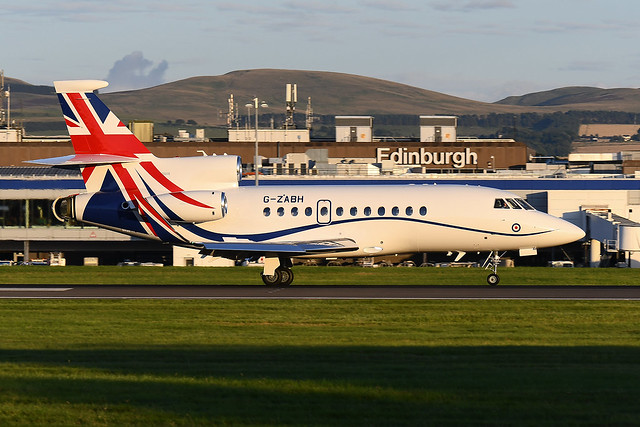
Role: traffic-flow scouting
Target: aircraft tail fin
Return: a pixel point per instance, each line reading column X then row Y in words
column 92, row 126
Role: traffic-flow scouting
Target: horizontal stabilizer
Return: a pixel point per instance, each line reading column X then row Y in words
column 80, row 86
column 286, row 248
column 83, row 160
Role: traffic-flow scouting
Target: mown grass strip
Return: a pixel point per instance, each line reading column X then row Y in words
column 74, row 275
column 319, row 362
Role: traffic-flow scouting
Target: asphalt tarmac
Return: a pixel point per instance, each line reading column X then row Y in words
column 322, row 292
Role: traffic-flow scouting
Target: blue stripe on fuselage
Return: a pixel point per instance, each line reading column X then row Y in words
column 259, row 237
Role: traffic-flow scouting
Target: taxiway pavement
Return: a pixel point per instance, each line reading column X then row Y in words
column 322, row 292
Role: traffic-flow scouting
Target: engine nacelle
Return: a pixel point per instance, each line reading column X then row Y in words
column 211, row 172
column 111, row 210
column 190, row 206
column 64, row 208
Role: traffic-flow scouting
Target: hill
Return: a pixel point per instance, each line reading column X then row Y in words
column 204, row 98
column 200, row 98
column 580, row 98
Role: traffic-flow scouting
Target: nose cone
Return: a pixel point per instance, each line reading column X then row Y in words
column 570, row 233
column 564, row 232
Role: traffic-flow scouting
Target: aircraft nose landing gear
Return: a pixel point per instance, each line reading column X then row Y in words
column 493, row 279
column 491, row 263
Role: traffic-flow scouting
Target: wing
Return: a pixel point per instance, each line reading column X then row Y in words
column 238, row 249
column 83, row 160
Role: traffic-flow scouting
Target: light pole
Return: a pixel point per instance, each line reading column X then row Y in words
column 256, row 104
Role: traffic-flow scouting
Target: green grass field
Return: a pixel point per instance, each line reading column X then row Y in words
column 330, row 362
column 315, row 276
column 318, row 362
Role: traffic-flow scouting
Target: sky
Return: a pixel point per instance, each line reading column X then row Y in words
column 483, row 50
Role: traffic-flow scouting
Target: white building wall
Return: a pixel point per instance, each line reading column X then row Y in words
column 438, row 128
column 566, row 203
column 363, row 134
column 269, row 135
column 428, row 133
column 354, row 128
column 10, row 135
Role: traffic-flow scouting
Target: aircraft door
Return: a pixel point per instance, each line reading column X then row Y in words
column 324, row 212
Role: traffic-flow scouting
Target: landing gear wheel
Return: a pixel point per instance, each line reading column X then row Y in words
column 286, row 276
column 491, row 263
column 272, row 280
column 282, row 277
column 493, row 279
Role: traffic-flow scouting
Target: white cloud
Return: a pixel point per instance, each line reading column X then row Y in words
column 134, row 71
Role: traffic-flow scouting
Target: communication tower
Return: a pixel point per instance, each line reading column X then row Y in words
column 232, row 115
column 5, row 115
column 291, row 98
column 2, row 114
column 309, row 115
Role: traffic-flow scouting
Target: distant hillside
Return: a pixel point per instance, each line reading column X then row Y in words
column 200, row 98
column 580, row 98
column 203, row 99
column 19, row 86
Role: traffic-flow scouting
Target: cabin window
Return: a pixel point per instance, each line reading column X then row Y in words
column 324, row 211
column 367, row 211
column 294, row 211
column 280, row 211
column 353, row 211
column 513, row 204
column 525, row 204
column 308, row 211
column 339, row 211
column 409, row 211
column 381, row 211
column 500, row 204
column 395, row 211
column 266, row 211
column 423, row 210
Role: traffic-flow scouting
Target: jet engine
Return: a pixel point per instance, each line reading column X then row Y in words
column 113, row 210
column 63, row 208
column 190, row 206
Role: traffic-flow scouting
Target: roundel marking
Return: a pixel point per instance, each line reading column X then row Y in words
column 516, row 227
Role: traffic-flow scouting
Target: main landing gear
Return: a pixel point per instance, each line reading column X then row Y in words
column 281, row 268
column 282, row 277
column 491, row 263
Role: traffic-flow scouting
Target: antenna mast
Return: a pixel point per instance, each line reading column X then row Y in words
column 232, row 115
column 309, row 114
column 2, row 117
column 291, row 99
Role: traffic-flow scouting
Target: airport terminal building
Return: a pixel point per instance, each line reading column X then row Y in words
column 600, row 192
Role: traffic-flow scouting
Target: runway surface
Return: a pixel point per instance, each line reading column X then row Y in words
column 323, row 292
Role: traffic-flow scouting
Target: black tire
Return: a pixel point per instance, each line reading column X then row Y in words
column 493, row 279
column 273, row 280
column 286, row 277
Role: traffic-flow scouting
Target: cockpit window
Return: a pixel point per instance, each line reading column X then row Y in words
column 500, row 204
column 525, row 204
column 513, row 204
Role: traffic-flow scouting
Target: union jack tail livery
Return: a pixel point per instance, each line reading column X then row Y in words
column 197, row 202
column 119, row 171
column 92, row 126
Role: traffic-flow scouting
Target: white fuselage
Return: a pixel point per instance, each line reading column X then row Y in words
column 385, row 219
